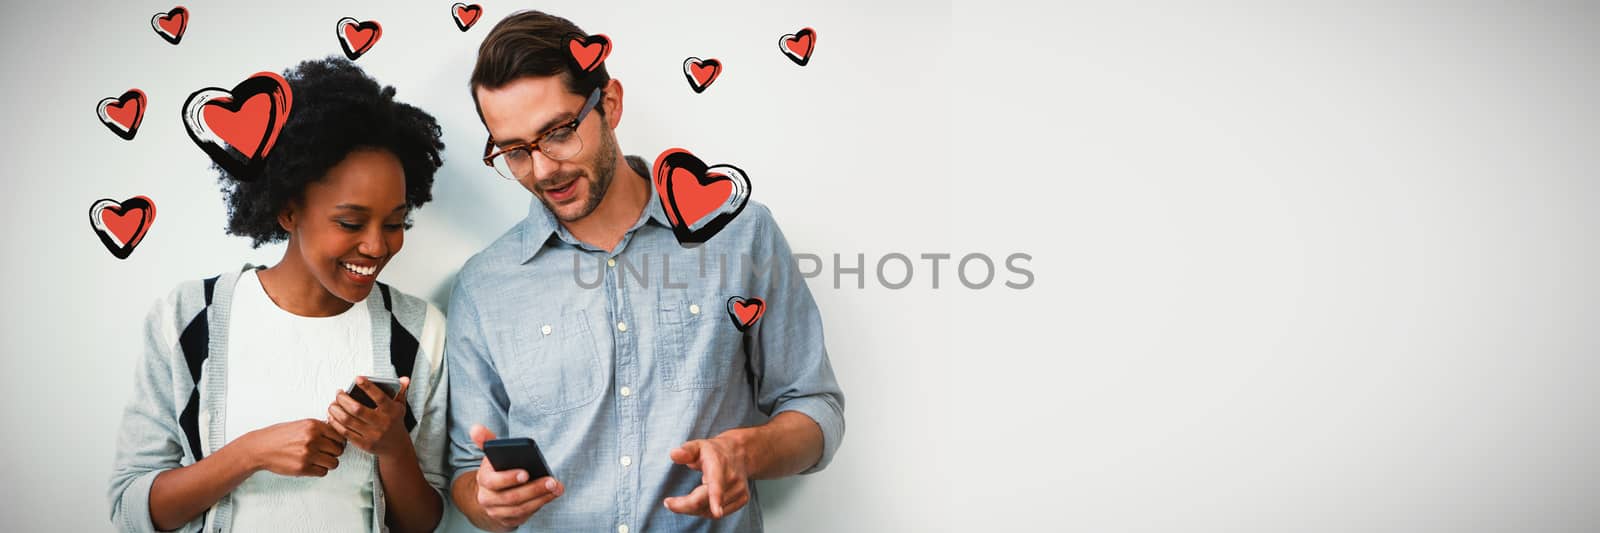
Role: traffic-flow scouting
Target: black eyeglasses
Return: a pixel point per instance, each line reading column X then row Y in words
column 559, row 144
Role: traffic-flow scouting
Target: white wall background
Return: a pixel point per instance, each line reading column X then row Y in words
column 1299, row 268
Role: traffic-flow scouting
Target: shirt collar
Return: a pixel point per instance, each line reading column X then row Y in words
column 540, row 226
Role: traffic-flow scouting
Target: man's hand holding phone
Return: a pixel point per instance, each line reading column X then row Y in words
column 370, row 417
column 509, row 497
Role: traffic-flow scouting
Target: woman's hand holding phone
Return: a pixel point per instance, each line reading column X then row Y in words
column 379, row 429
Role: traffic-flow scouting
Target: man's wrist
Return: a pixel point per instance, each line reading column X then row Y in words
column 745, row 445
column 465, row 493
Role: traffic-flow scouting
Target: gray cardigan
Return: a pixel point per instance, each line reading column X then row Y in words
column 186, row 341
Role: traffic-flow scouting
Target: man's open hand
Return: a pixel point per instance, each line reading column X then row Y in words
column 724, row 478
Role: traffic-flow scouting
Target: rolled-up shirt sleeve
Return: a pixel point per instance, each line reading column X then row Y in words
column 477, row 395
column 786, row 345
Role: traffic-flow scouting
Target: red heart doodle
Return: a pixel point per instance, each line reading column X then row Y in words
column 589, row 52
column 171, row 25
column 122, row 115
column 238, row 128
column 746, row 311
column 701, row 72
column 699, row 200
column 798, row 45
column 356, row 37
column 121, row 226
column 466, row 15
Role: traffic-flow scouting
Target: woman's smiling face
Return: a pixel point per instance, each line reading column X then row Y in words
column 347, row 226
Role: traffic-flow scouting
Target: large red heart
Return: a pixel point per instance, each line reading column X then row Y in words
column 122, row 115
column 746, row 311
column 121, row 226
column 589, row 52
column 356, row 37
column 701, row 72
column 466, row 15
column 699, row 200
column 238, row 128
column 695, row 200
column 172, row 24
column 798, row 45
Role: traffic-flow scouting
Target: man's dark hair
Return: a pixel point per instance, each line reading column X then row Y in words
column 337, row 109
column 532, row 43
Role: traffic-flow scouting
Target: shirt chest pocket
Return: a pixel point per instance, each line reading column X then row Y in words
column 553, row 364
column 693, row 354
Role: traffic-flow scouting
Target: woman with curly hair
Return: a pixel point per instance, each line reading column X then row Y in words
column 240, row 419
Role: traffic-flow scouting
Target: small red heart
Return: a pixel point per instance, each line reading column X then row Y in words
column 701, row 72
column 124, row 225
column 357, row 37
column 746, row 311
column 171, row 25
column 122, row 115
column 799, row 45
column 121, row 226
column 589, row 52
column 467, row 15
column 125, row 115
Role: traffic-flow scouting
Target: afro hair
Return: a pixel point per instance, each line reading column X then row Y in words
column 337, row 109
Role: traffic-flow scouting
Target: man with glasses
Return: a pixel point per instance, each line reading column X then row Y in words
column 653, row 407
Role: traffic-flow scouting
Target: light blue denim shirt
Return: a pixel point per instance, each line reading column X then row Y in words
column 611, row 360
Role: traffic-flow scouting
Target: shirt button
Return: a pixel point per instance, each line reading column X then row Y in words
column 545, row 329
column 622, row 326
column 627, row 460
column 694, row 309
column 627, row 392
column 612, row 263
column 622, row 528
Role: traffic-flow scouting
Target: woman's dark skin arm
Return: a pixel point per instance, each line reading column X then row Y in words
column 298, row 448
column 412, row 504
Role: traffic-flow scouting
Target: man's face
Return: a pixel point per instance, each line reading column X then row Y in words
column 525, row 109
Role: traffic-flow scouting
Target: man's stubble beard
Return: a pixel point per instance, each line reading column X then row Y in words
column 604, row 170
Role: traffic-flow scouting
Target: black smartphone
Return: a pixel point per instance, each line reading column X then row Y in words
column 517, row 452
column 390, row 387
